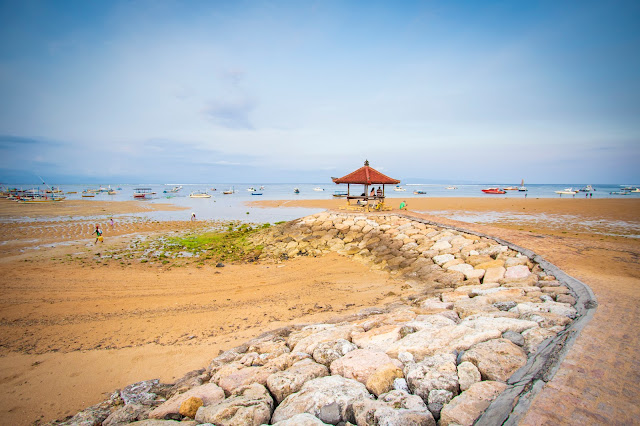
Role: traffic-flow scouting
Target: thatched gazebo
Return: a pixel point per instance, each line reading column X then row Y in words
column 366, row 176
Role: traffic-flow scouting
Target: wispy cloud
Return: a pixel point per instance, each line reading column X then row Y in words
column 231, row 113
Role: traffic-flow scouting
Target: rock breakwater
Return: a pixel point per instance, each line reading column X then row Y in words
column 476, row 313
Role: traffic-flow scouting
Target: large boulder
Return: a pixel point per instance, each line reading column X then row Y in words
column 249, row 405
column 377, row 338
column 381, row 381
column 427, row 342
column 209, row 393
column 327, row 352
column 360, row 364
column 465, row 408
column 468, row 374
column 387, row 416
column 517, row 272
column 127, row 414
column 284, row 383
column 304, row 419
column 393, row 408
column 502, row 324
column 496, row 359
column 330, row 399
column 309, row 343
column 244, row 377
column 435, row 372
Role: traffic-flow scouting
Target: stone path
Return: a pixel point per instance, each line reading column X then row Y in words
column 599, row 380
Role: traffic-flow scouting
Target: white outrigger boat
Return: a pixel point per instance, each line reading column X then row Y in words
column 199, row 194
column 568, row 191
column 174, row 189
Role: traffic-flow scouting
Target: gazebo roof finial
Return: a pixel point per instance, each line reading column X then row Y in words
column 366, row 162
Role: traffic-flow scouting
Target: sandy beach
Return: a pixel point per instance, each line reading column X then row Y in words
column 74, row 329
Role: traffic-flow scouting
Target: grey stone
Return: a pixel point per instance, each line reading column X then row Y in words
column 249, row 405
column 514, row 337
column 318, row 393
column 127, row 414
column 284, row 383
column 435, row 372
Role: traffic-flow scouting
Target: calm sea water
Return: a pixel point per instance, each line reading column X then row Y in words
column 232, row 207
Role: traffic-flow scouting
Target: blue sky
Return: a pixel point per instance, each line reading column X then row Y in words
column 270, row 91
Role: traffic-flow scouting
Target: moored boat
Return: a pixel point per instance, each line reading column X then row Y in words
column 142, row 193
column 296, row 191
column 199, row 194
column 567, row 191
column 522, row 188
column 451, row 187
column 174, row 189
column 419, row 192
column 493, row 191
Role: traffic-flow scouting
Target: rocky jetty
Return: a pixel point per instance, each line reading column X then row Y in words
column 475, row 313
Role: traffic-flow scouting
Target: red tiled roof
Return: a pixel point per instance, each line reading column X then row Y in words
column 367, row 176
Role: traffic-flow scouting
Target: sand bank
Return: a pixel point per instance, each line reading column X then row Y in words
column 12, row 209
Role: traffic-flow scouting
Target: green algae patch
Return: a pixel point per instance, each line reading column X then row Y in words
column 211, row 244
column 230, row 245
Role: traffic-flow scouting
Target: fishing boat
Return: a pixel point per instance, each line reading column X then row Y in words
column 230, row 191
column 419, row 192
column 296, row 191
column 619, row 192
column 112, row 192
column 199, row 194
column 493, row 191
column 41, row 199
column 72, row 192
column 142, row 193
column 510, row 188
column 567, row 191
column 398, row 188
column 318, row 189
column 339, row 193
column 587, row 188
column 451, row 187
column 174, row 189
column 251, row 189
column 88, row 195
column 256, row 193
column 522, row 188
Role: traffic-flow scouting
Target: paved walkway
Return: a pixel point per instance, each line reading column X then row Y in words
column 598, row 382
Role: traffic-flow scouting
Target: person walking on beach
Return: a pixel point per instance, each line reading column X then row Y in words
column 403, row 205
column 98, row 233
column 112, row 224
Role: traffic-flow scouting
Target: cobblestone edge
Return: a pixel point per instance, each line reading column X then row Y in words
column 512, row 404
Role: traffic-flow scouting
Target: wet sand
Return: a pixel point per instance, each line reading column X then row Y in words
column 72, row 331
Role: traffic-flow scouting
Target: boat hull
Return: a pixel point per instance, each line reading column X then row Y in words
column 494, row 191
